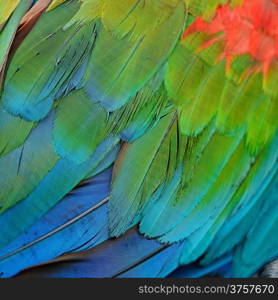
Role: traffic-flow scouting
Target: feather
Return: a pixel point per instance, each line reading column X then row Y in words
column 16, row 9
column 254, row 251
column 14, row 131
column 7, row 9
column 122, row 257
column 129, row 149
column 115, row 75
column 32, row 96
column 129, row 187
column 62, row 178
column 82, row 211
column 77, row 135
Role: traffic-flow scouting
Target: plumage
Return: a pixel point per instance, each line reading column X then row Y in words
column 11, row 12
column 138, row 136
column 74, row 214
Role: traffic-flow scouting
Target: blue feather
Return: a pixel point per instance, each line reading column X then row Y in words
column 80, row 217
column 58, row 182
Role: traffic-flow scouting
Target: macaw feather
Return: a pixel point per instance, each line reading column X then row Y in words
column 77, row 135
column 254, row 252
column 11, row 13
column 36, row 156
column 117, row 74
column 14, row 131
column 33, row 95
column 129, row 149
column 57, row 175
column 78, row 211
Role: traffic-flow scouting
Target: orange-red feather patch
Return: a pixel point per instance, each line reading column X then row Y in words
column 251, row 28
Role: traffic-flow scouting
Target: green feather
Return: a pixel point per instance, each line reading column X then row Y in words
column 135, row 163
column 36, row 75
column 79, row 127
column 14, row 131
column 8, row 31
column 118, row 73
column 23, row 168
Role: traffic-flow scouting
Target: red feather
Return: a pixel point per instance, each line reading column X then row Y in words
column 251, row 28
